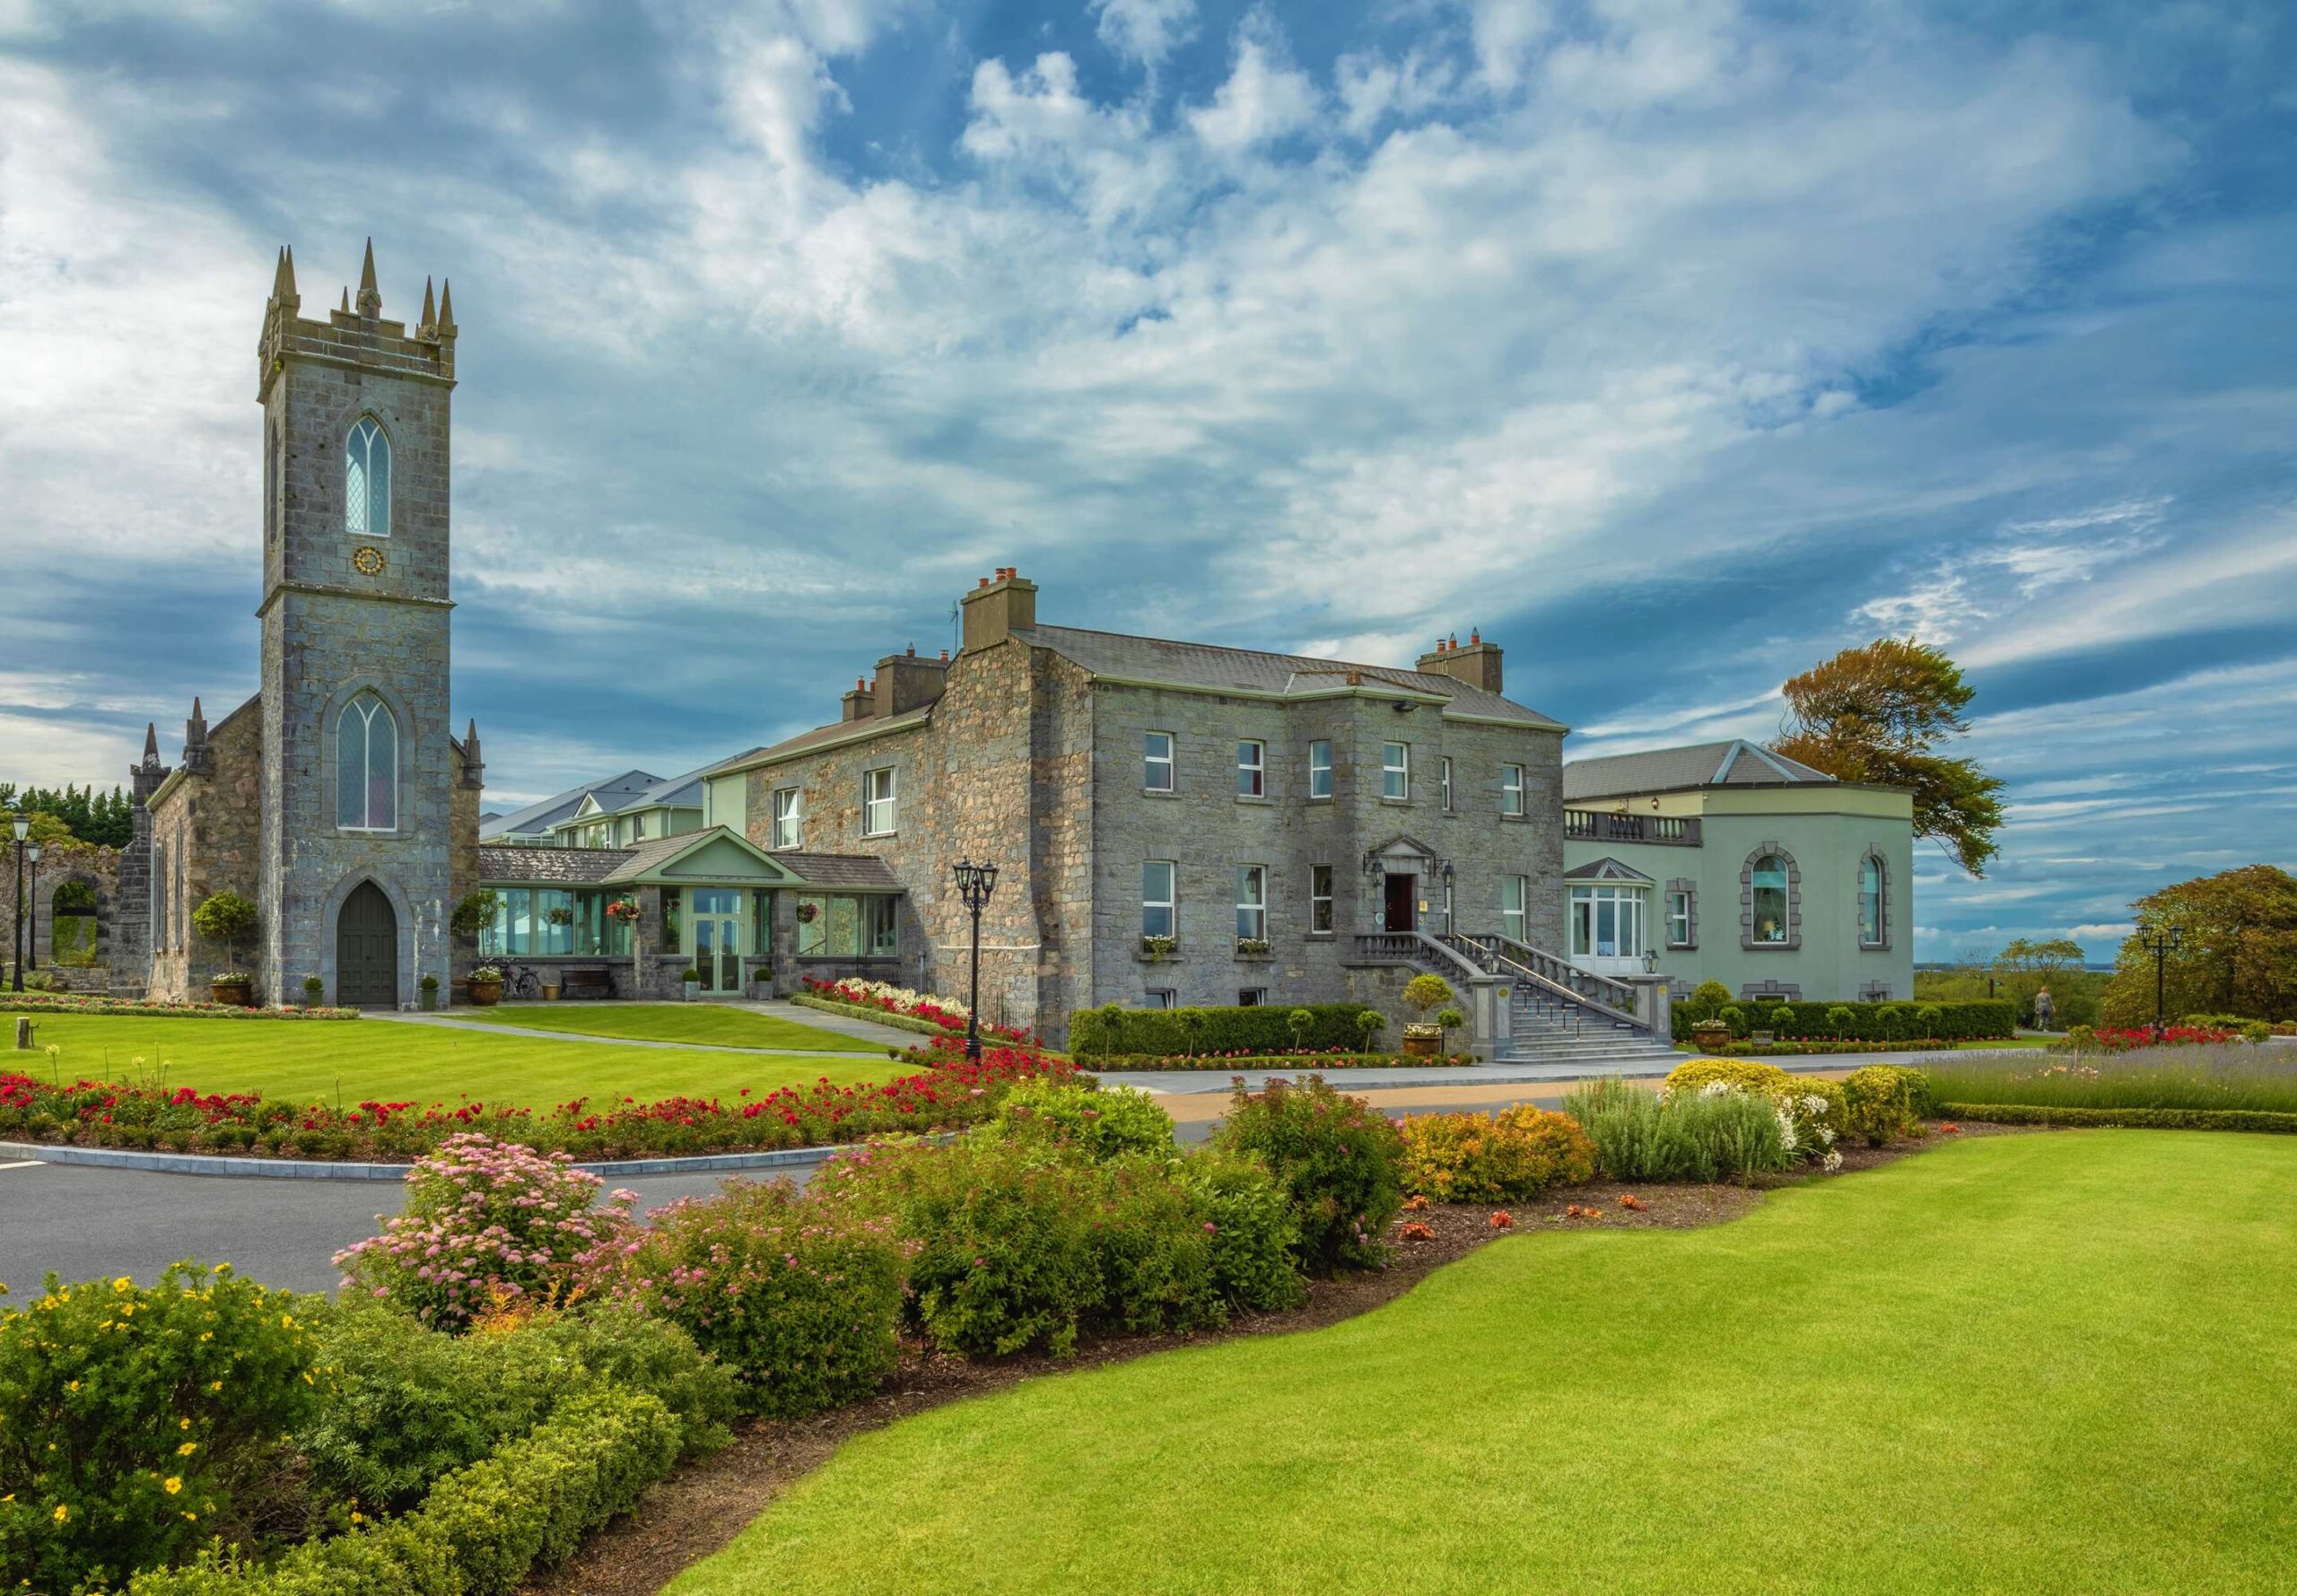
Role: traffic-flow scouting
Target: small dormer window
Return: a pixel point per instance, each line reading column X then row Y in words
column 367, row 481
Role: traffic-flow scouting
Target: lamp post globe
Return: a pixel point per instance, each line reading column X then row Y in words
column 975, row 884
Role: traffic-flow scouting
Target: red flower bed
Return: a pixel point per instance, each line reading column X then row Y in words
column 946, row 1091
column 912, row 1005
column 2121, row 1041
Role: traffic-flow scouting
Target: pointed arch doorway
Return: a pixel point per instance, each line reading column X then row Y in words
column 366, row 950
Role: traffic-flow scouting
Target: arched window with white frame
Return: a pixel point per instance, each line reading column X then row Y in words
column 367, row 480
column 366, row 766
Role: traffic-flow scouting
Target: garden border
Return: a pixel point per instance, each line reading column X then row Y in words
column 875, row 1016
column 321, row 1169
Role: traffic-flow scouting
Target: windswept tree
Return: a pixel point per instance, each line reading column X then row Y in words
column 1880, row 713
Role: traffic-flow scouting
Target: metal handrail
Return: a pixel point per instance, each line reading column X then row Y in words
column 1604, row 996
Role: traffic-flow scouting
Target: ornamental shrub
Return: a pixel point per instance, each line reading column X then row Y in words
column 485, row 1222
column 482, row 1530
column 1258, row 1029
column 1707, row 1000
column 1248, row 1216
column 1017, row 1244
column 411, row 1404
column 1425, row 993
column 1101, row 1123
column 1971, row 1020
column 1517, row 1153
column 1885, row 1103
column 801, row 1299
column 1811, row 1110
column 136, row 1424
column 1723, row 1135
column 1339, row 1159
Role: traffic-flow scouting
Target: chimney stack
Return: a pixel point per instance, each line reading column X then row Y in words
column 904, row 682
column 861, row 702
column 1475, row 662
column 997, row 609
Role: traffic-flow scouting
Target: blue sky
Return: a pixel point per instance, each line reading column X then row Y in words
column 1675, row 345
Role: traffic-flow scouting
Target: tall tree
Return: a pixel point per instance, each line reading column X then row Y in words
column 2236, row 954
column 1879, row 713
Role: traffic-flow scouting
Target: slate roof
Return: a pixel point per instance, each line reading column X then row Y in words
column 557, row 867
column 1735, row 763
column 606, row 866
column 614, row 792
column 803, row 740
column 1206, row 664
column 846, row 872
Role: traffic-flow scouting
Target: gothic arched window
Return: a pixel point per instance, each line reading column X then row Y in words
column 367, row 481
column 366, row 766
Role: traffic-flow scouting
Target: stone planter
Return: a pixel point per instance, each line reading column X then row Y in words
column 428, row 998
column 762, row 989
column 240, row 994
column 692, row 991
column 1711, row 1037
column 1421, row 1047
column 486, row 994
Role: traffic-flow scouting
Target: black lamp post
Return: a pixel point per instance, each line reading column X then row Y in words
column 975, row 883
column 22, row 825
column 2161, row 941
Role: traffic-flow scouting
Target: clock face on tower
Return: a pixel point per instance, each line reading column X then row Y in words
column 367, row 559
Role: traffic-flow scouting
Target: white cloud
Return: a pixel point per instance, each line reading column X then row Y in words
column 1144, row 31
column 2108, row 931
column 1264, row 98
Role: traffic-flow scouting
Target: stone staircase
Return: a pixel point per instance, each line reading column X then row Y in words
column 1565, row 1017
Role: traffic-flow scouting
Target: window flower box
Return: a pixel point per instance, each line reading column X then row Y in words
column 1158, row 949
column 1252, row 947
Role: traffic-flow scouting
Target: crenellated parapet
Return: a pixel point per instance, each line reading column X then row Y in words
column 356, row 335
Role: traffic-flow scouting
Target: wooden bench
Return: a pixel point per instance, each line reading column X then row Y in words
column 586, row 983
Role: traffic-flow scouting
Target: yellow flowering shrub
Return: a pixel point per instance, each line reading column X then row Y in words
column 136, row 1423
column 1517, row 1153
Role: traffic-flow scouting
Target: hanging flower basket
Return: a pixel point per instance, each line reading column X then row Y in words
column 807, row 912
column 622, row 909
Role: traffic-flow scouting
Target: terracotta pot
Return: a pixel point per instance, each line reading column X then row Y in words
column 486, row 994
column 1710, row 1038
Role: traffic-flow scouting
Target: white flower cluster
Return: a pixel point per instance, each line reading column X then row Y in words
column 903, row 999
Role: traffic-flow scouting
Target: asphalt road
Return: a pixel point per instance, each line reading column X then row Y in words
column 89, row 1223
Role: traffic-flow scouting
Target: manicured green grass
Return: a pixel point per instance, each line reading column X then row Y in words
column 709, row 1023
column 2054, row 1363
column 311, row 1060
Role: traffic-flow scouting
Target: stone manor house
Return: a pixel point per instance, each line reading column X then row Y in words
column 1173, row 822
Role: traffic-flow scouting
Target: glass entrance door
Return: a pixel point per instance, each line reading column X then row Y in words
column 717, row 916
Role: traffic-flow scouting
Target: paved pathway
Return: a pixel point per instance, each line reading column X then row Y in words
column 466, row 1019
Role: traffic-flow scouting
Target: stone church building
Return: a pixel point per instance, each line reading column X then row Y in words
column 336, row 798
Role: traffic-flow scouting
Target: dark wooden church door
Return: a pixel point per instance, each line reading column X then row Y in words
column 366, row 950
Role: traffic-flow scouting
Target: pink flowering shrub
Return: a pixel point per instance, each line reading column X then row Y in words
column 801, row 1299
column 486, row 1222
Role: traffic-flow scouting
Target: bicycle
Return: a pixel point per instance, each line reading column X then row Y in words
column 519, row 981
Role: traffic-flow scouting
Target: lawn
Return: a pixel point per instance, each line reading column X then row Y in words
column 2061, row 1363
column 707, row 1023
column 307, row 1061
column 2231, row 1075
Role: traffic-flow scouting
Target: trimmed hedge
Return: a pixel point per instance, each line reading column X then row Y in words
column 2135, row 1119
column 1261, row 1029
column 482, row 1530
column 1981, row 1019
column 87, row 1003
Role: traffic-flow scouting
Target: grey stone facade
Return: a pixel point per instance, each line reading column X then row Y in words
column 1031, row 757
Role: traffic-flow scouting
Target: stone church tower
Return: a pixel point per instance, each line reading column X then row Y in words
column 361, row 782
column 336, row 798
